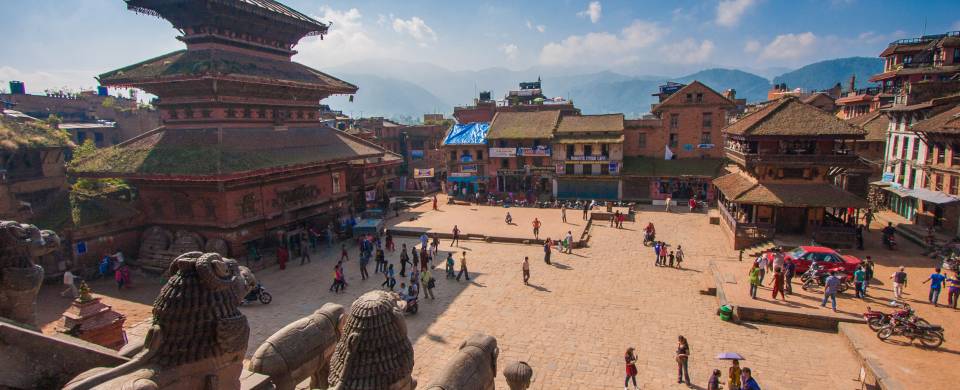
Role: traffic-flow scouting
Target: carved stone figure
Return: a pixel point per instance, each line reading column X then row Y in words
column 186, row 242
column 518, row 375
column 473, row 367
column 301, row 350
column 373, row 352
column 217, row 245
column 198, row 338
column 20, row 276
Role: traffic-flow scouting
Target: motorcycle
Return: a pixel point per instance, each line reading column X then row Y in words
column 931, row 336
column 890, row 242
column 411, row 306
column 876, row 319
column 820, row 281
column 648, row 238
column 258, row 294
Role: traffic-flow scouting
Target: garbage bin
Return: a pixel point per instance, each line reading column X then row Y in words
column 726, row 312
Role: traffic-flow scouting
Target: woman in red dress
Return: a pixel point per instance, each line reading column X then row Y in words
column 631, row 361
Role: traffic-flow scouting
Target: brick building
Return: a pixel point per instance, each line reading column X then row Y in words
column 786, row 155
column 674, row 152
column 941, row 208
column 520, row 153
column 242, row 158
column 466, row 147
column 31, row 166
column 914, row 60
column 588, row 155
column 528, row 98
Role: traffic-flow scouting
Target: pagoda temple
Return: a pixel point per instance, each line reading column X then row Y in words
column 241, row 153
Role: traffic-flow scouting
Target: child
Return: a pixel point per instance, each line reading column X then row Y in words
column 671, row 257
column 679, row 255
column 450, row 263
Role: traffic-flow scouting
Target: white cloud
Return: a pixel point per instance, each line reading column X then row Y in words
column 681, row 15
column 688, row 51
column 603, row 47
column 729, row 12
column 790, row 47
column 752, row 46
column 955, row 26
column 416, row 28
column 510, row 50
column 347, row 40
column 36, row 82
column 594, row 11
column 381, row 20
column 538, row 27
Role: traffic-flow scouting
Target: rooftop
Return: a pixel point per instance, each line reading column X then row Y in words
column 185, row 12
column 222, row 64
column 875, row 123
column 790, row 117
column 947, row 122
column 524, row 125
column 16, row 134
column 467, row 134
column 591, row 123
column 675, row 97
column 737, row 187
column 207, row 154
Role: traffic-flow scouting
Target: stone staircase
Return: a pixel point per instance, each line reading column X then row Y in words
column 757, row 249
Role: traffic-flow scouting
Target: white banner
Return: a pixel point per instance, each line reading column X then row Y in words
column 503, row 152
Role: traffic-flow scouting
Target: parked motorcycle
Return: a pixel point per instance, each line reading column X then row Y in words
column 258, row 293
column 876, row 319
column 890, row 241
column 931, row 336
column 820, row 281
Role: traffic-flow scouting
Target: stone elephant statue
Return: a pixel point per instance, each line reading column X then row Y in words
column 20, row 276
column 301, row 350
column 473, row 367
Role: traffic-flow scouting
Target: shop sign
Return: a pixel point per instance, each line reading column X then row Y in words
column 588, row 158
column 561, row 168
column 614, row 166
column 688, row 147
column 509, row 172
column 468, row 168
column 503, row 152
column 706, row 146
column 422, row 173
column 539, row 151
column 888, row 177
column 371, row 196
column 461, row 174
column 467, row 158
column 417, row 154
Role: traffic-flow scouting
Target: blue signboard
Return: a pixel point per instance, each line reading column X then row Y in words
column 81, row 247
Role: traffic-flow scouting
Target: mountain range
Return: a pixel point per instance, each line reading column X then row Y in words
column 408, row 90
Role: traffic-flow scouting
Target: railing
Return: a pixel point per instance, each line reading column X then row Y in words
column 836, row 236
column 746, row 234
column 832, row 159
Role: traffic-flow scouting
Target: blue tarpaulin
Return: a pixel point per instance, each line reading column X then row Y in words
column 468, row 134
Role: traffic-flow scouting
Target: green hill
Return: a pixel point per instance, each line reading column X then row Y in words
column 825, row 74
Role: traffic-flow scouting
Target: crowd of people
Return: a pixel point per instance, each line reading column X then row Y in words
column 737, row 378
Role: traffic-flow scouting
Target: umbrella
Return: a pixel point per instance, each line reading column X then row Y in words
column 730, row 356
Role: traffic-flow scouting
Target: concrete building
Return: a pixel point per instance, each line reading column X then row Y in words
column 940, row 208
column 32, row 174
column 521, row 153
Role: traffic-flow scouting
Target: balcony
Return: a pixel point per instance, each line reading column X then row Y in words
column 745, row 234
column 753, row 159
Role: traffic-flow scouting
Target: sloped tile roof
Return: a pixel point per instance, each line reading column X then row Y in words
column 524, row 125
column 591, row 123
column 738, row 187
column 791, row 117
column 202, row 153
column 947, row 122
column 875, row 123
column 224, row 64
column 675, row 99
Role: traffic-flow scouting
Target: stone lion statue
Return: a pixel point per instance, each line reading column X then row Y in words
column 301, row 350
column 20, row 276
column 198, row 338
column 473, row 367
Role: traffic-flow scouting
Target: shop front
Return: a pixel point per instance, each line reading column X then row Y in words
column 606, row 188
column 681, row 188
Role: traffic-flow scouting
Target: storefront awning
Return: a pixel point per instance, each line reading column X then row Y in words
column 933, row 196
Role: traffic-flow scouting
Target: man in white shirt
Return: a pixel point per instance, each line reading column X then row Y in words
column 762, row 263
column 68, row 279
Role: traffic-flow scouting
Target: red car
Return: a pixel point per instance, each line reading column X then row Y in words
column 828, row 258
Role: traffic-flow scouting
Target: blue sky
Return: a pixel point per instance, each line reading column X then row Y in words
column 54, row 43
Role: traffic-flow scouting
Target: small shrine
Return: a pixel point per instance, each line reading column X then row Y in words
column 91, row 320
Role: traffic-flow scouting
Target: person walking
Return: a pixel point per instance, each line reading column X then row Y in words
column 789, row 271
column 388, row 280
column 424, row 241
column 671, row 257
column 404, row 260
column 663, row 254
column 778, row 284
column 463, row 267
column 733, row 376
column 390, row 245
column 435, row 245
column 343, row 253
column 304, row 249
column 679, row 255
column 936, row 280
column 754, row 277
column 868, row 218
column 364, row 260
column 631, row 360
column 546, row 250
column 620, row 218
column 831, row 285
column 449, row 269
column 656, row 252
column 456, row 236
column 282, row 256
column 868, row 269
column 953, row 293
column 68, row 281
column 569, row 239
column 899, row 282
column 415, row 263
column 415, row 280
column 526, row 269
column 381, row 260
column 714, row 382
column 427, row 280
column 435, row 203
column 424, row 258
column 536, row 229
column 613, row 218
column 763, row 262
column 668, row 202
column 335, row 287
column 749, row 383
column 563, row 213
column 586, row 211
column 859, row 277
column 683, row 355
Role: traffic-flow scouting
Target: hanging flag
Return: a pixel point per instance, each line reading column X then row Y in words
column 667, row 154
